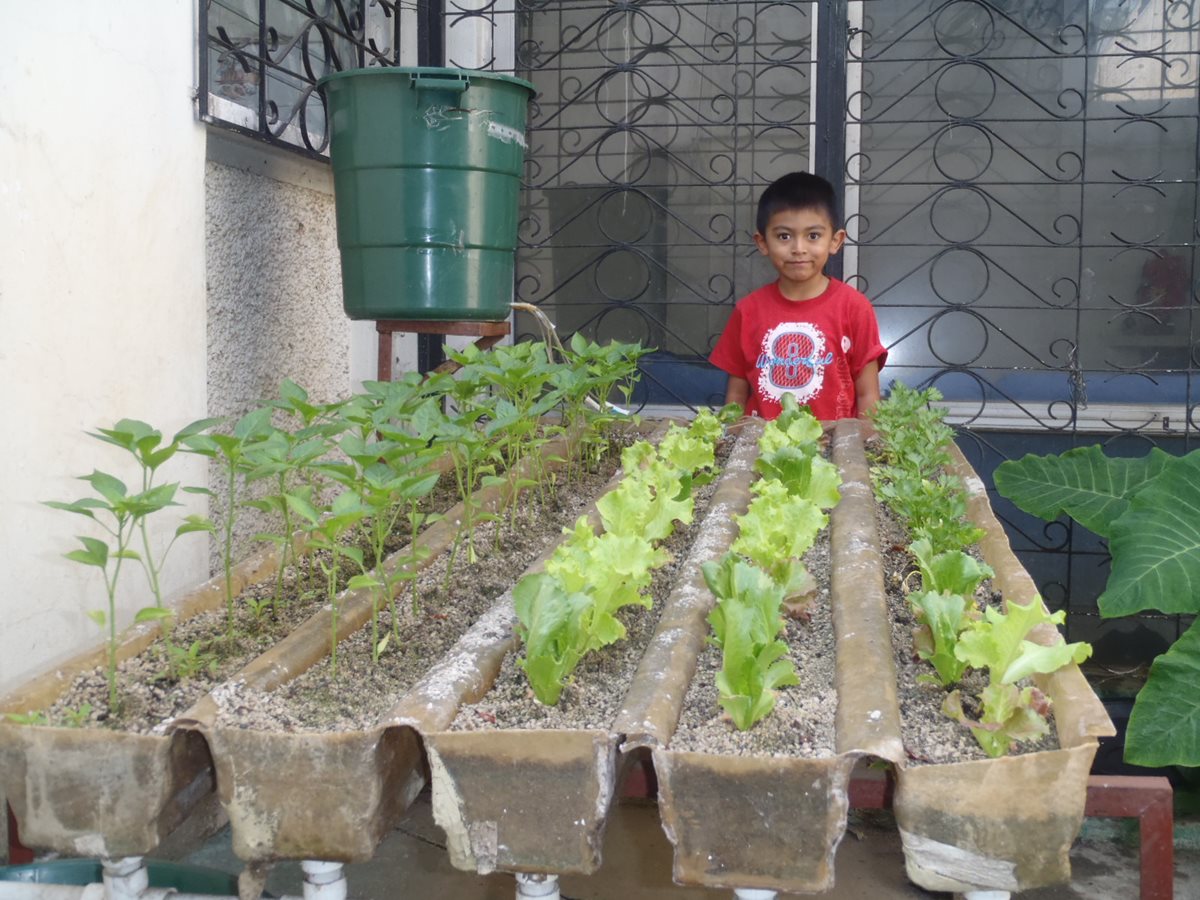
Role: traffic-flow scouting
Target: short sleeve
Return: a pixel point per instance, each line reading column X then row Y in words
column 728, row 355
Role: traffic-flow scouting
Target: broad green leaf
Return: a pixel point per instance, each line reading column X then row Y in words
column 363, row 581
column 1155, row 546
column 255, row 423
column 301, row 505
column 95, row 552
column 1084, row 483
column 1164, row 728
column 99, row 616
column 194, row 428
column 82, row 507
column 107, row 486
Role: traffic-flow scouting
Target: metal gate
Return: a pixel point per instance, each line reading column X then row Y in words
column 1020, row 190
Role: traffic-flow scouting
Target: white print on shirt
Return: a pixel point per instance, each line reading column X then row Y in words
column 845, row 343
column 792, row 360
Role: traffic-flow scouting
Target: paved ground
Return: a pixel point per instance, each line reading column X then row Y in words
column 412, row 863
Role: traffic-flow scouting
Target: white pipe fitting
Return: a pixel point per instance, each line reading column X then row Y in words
column 541, row 887
column 323, row 880
column 126, row 878
column 754, row 894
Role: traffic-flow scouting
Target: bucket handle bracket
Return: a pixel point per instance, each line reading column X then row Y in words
column 450, row 81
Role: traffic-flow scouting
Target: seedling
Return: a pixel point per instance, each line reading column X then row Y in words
column 999, row 643
column 231, row 451
column 746, row 624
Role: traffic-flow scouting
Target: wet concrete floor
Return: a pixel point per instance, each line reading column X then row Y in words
column 412, row 863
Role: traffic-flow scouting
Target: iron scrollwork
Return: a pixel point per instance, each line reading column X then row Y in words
column 261, row 60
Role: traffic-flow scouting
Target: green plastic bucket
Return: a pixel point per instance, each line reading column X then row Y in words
column 184, row 878
column 427, row 176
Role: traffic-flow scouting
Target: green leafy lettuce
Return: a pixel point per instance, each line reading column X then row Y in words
column 745, row 624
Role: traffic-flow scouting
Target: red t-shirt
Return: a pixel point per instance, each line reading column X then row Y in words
column 812, row 349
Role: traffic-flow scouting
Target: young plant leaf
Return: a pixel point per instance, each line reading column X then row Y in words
column 950, row 572
column 998, row 643
column 942, row 618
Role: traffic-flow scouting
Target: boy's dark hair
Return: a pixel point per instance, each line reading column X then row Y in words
column 797, row 190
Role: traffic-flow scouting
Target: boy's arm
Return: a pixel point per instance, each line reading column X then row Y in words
column 866, row 387
column 737, row 390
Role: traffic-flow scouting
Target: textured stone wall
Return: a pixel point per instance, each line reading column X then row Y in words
column 274, row 298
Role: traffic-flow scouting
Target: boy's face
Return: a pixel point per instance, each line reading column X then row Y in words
column 798, row 242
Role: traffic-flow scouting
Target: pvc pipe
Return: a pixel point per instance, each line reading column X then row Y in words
column 754, row 894
column 125, row 878
column 22, row 890
column 323, row 880
column 542, row 887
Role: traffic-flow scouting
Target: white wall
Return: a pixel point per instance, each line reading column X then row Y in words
column 102, row 301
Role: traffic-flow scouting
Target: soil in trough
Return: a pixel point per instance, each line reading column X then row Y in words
column 929, row 736
column 802, row 722
column 593, row 696
column 363, row 690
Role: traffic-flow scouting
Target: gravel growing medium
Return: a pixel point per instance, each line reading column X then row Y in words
column 590, row 701
column 929, row 736
column 362, row 690
column 802, row 722
column 150, row 701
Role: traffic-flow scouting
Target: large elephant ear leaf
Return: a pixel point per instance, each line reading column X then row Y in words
column 1155, row 546
column 1091, row 488
column 1164, row 727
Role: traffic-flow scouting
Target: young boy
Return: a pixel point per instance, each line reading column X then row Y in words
column 805, row 334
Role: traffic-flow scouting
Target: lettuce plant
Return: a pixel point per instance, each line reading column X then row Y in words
column 552, row 631
column 944, row 606
column 999, row 643
column 590, row 577
column 775, row 533
column 1149, row 511
column 746, row 624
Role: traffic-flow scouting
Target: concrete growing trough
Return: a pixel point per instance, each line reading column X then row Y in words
column 536, row 802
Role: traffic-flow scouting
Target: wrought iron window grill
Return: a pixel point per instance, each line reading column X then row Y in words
column 260, row 60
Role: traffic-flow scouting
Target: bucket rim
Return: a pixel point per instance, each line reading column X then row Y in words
column 380, row 71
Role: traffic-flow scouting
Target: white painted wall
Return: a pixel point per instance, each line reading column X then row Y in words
column 102, row 300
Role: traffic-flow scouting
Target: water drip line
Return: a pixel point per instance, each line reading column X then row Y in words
column 550, row 339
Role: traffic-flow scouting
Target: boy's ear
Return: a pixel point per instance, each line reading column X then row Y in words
column 761, row 242
column 839, row 238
